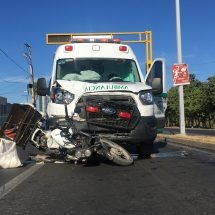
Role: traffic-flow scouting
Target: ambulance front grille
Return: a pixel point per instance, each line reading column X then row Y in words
column 114, row 112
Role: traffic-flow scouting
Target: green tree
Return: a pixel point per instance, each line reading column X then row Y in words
column 211, row 89
column 172, row 112
column 193, row 101
column 211, row 98
column 199, row 103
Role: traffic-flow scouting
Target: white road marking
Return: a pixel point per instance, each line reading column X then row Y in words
column 6, row 188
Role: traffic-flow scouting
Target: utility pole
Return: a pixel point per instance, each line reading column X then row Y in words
column 42, row 103
column 179, row 53
column 28, row 57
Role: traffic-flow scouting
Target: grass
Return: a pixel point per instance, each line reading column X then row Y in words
column 202, row 139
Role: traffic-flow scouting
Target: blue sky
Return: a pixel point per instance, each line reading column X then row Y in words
column 28, row 21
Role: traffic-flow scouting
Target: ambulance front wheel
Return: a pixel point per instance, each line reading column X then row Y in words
column 145, row 149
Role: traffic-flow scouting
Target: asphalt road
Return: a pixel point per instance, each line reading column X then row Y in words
column 191, row 131
column 174, row 181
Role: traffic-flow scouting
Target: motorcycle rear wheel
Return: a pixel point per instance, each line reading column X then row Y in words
column 120, row 156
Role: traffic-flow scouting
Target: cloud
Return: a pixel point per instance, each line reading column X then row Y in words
column 15, row 79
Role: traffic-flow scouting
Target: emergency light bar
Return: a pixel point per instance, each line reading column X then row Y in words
column 92, row 36
column 95, row 40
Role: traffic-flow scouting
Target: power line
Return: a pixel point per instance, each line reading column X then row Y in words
column 12, row 60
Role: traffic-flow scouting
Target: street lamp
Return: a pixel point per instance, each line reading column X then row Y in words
column 179, row 53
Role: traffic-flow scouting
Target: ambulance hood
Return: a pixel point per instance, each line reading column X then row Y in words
column 79, row 87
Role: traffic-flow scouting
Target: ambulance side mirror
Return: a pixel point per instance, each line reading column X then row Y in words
column 157, row 86
column 42, row 89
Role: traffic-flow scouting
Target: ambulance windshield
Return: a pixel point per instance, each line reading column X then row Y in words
column 97, row 70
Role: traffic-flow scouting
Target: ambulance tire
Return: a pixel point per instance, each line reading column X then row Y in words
column 145, row 149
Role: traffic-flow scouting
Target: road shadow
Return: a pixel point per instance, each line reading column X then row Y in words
column 159, row 145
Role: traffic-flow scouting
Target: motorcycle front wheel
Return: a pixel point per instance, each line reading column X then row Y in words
column 118, row 154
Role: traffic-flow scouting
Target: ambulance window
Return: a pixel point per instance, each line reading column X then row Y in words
column 97, row 69
column 64, row 67
column 155, row 72
column 121, row 70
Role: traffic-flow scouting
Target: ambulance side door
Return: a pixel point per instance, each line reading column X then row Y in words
column 156, row 78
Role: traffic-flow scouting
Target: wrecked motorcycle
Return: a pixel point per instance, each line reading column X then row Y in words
column 78, row 146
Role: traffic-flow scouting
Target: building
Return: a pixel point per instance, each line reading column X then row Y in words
column 4, row 109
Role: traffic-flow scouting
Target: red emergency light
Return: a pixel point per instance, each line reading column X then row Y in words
column 123, row 48
column 116, row 40
column 68, row 48
column 104, row 40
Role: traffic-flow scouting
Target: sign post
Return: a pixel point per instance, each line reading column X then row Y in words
column 180, row 75
column 179, row 52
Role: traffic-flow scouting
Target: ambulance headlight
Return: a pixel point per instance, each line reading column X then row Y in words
column 68, row 97
column 63, row 96
column 146, row 98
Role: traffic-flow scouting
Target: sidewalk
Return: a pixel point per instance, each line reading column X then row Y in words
column 202, row 142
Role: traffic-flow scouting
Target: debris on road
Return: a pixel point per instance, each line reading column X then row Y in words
column 42, row 158
column 8, row 154
column 20, row 124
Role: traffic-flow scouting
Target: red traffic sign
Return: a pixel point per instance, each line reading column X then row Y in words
column 180, row 75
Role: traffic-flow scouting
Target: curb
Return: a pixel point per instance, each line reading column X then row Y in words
column 186, row 142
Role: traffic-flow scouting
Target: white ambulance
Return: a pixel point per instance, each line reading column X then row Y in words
column 102, row 76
